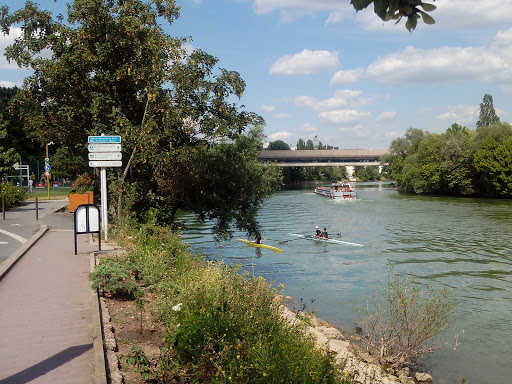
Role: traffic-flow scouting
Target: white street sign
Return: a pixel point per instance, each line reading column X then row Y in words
column 104, row 147
column 107, row 163
column 104, row 139
column 105, row 156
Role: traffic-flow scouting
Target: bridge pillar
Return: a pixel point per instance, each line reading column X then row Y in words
column 350, row 172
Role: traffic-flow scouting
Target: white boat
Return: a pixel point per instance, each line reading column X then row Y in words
column 340, row 190
column 321, row 239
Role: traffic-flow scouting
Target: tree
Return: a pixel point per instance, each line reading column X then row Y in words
column 8, row 156
column 397, row 9
column 487, row 113
column 301, row 144
column 278, row 145
column 114, row 71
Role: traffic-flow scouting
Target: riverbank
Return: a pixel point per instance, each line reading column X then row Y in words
column 146, row 332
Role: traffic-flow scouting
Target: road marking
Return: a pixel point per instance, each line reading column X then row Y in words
column 16, row 225
column 3, row 242
column 22, row 240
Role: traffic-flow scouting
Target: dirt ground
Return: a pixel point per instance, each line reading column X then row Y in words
column 129, row 332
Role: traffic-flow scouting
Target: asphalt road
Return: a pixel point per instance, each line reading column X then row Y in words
column 20, row 224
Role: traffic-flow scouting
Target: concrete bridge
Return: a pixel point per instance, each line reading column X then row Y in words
column 324, row 157
column 349, row 158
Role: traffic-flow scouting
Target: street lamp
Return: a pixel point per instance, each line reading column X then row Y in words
column 47, row 165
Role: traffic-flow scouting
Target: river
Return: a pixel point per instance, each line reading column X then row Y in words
column 459, row 243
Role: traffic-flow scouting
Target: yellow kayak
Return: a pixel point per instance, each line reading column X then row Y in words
column 253, row 244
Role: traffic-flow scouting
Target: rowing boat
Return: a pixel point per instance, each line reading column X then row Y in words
column 307, row 237
column 253, row 244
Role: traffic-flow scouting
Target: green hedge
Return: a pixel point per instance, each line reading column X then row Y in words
column 14, row 196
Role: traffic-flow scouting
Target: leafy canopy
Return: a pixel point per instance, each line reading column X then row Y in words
column 113, row 70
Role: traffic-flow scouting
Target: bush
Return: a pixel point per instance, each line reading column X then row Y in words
column 14, row 196
column 116, row 279
column 401, row 323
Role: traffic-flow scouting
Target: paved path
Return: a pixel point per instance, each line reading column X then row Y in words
column 45, row 310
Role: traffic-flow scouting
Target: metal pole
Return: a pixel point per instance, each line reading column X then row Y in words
column 3, row 206
column 37, row 209
column 47, row 177
column 104, row 201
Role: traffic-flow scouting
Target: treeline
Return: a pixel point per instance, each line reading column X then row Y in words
column 461, row 161
column 301, row 144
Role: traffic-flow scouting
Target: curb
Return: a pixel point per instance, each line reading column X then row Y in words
column 100, row 371
column 7, row 265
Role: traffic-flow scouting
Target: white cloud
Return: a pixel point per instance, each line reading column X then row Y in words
column 5, row 41
column 7, row 84
column 282, row 116
column 445, row 65
column 461, row 114
column 346, row 77
column 280, row 136
column 305, row 63
column 386, row 116
column 291, row 10
column 342, row 99
column 268, row 108
column 343, row 116
column 308, row 128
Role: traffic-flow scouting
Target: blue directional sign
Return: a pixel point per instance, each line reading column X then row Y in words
column 104, row 139
column 47, row 167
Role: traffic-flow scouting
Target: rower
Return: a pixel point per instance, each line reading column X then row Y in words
column 318, row 233
column 324, row 234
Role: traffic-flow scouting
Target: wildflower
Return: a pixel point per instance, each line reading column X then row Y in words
column 177, row 307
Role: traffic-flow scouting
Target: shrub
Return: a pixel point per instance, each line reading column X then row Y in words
column 115, row 278
column 402, row 323
column 84, row 183
column 13, row 196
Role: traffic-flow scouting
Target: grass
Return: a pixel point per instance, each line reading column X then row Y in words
column 57, row 193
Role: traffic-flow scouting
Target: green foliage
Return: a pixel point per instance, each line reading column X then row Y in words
column 487, row 113
column 84, row 183
column 8, row 156
column 402, row 322
column 115, row 278
column 458, row 162
column 221, row 326
column 13, row 196
column 278, row 145
column 369, row 173
column 397, row 9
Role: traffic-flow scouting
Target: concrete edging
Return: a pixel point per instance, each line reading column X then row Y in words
column 7, row 265
column 100, row 370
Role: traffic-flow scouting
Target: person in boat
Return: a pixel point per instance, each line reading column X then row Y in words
column 258, row 240
column 318, row 233
column 325, row 235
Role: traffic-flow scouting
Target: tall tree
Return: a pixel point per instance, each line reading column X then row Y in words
column 487, row 113
column 8, row 155
column 278, row 145
column 113, row 70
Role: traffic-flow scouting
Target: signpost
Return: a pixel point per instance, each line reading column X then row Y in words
column 104, row 151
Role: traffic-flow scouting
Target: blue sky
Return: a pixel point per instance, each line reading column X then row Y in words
column 318, row 68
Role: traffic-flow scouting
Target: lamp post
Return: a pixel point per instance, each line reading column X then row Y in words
column 47, row 163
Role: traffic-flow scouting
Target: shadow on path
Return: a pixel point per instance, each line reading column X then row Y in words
column 47, row 365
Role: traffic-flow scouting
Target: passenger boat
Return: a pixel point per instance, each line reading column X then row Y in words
column 340, row 190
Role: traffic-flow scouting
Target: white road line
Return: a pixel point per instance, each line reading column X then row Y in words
column 22, row 240
column 3, row 242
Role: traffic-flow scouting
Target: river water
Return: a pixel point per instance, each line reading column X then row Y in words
column 459, row 243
